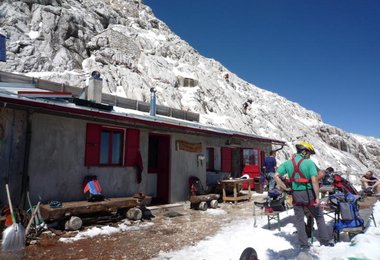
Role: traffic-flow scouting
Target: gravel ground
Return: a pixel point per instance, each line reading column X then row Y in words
column 171, row 230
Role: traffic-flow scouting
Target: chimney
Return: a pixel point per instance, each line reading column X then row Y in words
column 152, row 101
column 95, row 86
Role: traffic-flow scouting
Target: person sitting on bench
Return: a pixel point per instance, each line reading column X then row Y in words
column 371, row 182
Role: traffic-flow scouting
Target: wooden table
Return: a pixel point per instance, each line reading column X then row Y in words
column 236, row 195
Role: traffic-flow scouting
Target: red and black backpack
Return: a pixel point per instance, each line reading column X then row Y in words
column 92, row 189
column 344, row 185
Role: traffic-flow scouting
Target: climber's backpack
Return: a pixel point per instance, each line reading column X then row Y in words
column 92, row 189
column 196, row 187
column 344, row 185
column 348, row 211
column 275, row 201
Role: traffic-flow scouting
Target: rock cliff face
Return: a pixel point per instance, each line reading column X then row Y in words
column 65, row 40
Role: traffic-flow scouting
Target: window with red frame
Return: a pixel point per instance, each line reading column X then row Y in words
column 250, row 157
column 110, row 146
column 209, row 159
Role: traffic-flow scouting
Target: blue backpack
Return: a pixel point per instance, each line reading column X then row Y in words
column 347, row 209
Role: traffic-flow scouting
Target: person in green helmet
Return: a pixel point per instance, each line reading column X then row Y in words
column 303, row 183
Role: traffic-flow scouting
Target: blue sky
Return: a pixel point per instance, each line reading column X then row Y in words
column 322, row 54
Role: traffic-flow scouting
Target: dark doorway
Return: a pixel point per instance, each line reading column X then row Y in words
column 159, row 164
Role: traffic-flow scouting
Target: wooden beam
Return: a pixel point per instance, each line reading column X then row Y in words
column 78, row 208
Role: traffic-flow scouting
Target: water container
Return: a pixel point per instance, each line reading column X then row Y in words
column 258, row 185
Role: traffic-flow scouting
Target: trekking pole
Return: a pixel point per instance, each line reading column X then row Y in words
column 35, row 218
column 32, row 218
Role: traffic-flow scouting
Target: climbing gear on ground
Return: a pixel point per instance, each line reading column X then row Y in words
column 55, row 204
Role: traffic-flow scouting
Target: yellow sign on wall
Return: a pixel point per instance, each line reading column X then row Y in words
column 189, row 147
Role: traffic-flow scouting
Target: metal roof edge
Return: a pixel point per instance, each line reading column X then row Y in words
column 158, row 120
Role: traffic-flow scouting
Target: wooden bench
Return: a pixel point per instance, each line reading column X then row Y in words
column 350, row 231
column 202, row 202
column 79, row 208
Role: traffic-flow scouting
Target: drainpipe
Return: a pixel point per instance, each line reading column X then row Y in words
column 10, row 148
column 278, row 149
column 153, row 101
column 25, row 172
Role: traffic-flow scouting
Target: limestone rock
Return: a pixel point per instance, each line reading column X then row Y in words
column 65, row 40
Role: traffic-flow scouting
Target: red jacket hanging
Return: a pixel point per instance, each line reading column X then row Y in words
column 139, row 167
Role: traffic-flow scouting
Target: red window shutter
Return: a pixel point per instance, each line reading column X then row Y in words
column 132, row 146
column 92, row 153
column 226, row 159
column 262, row 160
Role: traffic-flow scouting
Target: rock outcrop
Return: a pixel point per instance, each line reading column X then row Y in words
column 65, row 40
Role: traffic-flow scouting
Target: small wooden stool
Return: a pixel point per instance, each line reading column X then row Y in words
column 275, row 215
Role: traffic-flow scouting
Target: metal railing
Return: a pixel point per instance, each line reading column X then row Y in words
column 106, row 98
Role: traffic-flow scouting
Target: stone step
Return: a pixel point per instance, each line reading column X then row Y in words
column 166, row 208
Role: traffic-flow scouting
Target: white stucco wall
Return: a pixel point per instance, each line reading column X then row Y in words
column 183, row 165
column 56, row 166
column 56, row 163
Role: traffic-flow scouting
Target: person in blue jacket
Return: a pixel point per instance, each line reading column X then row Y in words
column 270, row 165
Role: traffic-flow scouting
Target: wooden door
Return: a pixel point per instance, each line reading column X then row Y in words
column 159, row 163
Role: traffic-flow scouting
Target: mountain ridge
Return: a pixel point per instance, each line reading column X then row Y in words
column 65, row 40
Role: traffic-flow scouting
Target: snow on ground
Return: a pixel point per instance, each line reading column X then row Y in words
column 230, row 242
column 105, row 230
column 216, row 212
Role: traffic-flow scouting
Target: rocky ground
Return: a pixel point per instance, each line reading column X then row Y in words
column 170, row 230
